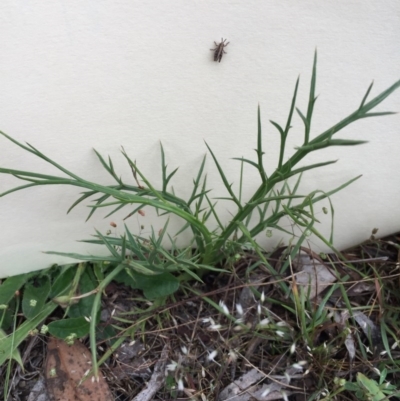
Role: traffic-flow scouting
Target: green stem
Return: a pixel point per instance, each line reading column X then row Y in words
column 282, row 173
column 123, row 197
column 96, row 305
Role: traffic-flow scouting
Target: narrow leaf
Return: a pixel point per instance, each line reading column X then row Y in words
column 246, row 161
column 311, row 100
column 224, row 180
column 331, row 142
column 366, row 95
column 259, row 148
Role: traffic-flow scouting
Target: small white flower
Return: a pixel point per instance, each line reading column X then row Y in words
column 288, row 378
column 240, row 320
column 181, row 387
column 208, row 320
column 377, row 371
column 215, row 327
column 293, row 348
column 266, row 392
column 239, row 309
column 212, row 355
column 264, row 322
column 302, row 363
column 258, row 309
column 297, row 366
column 33, row 302
column 284, row 395
column 262, row 297
column 88, row 318
column 383, row 353
column 203, row 372
column 395, row 345
column 224, row 307
column 282, row 324
column 171, row 366
column 184, row 350
column 280, row 333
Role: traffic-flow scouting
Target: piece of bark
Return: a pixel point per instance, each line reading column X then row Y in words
column 66, row 366
column 157, row 379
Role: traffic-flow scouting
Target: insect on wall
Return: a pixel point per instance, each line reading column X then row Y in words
column 219, row 50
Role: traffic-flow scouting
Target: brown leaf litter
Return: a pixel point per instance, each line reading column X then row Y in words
column 67, row 374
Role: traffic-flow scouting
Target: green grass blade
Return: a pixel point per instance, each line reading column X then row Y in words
column 165, row 178
column 197, row 180
column 224, row 180
column 331, row 142
column 278, row 127
column 297, row 184
column 379, row 114
column 9, row 344
column 292, row 108
column 311, row 100
column 122, row 205
column 366, row 95
column 134, row 168
column 214, row 213
column 88, row 258
column 259, row 150
column 109, row 168
column 241, row 159
column 310, row 167
column 285, row 133
column 37, row 153
column 305, row 122
column 85, row 195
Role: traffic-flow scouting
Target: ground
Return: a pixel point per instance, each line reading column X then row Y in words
column 326, row 330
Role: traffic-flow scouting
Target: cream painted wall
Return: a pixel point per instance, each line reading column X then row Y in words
column 81, row 74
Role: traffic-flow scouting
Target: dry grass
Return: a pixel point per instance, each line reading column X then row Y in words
column 240, row 322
